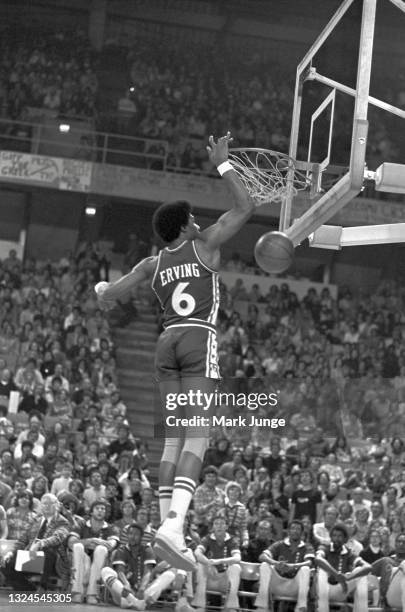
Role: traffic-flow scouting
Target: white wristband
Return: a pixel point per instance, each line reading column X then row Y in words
column 100, row 288
column 224, row 167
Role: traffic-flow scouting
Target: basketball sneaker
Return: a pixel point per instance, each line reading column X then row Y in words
column 171, row 547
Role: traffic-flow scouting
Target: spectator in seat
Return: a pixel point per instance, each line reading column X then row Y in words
column 218, row 454
column 261, row 485
column 358, row 500
column 321, row 531
column 362, row 520
column 352, row 543
column 62, row 482
column 76, row 487
column 111, row 496
column 47, row 533
column 377, row 518
column 218, row 566
column 390, row 501
column 7, row 385
column 21, row 515
column 263, row 539
column 235, row 514
column 129, row 581
column 303, row 420
column 96, row 490
column 340, row 573
column 28, row 448
column 208, row 499
column 58, row 373
column 123, row 443
column 334, row 470
column 39, row 488
column 69, row 505
column 306, row 500
column 26, row 471
column 127, row 479
column 34, row 427
column 391, row 570
column 373, row 551
column 28, row 376
column 279, row 502
column 90, row 545
column 49, row 458
column 317, row 444
column 285, row 569
column 35, row 402
column 226, row 471
column 128, row 510
column 274, row 460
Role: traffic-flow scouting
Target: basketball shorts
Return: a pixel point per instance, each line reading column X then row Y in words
column 187, row 351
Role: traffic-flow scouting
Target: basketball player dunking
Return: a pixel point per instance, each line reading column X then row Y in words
column 185, row 279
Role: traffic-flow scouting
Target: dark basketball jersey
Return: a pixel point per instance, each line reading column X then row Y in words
column 188, row 291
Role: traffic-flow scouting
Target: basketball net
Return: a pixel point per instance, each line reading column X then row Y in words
column 269, row 176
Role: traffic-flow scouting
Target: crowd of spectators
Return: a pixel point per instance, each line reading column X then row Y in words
column 52, row 71
column 235, row 87
column 174, row 101
column 329, row 359
column 64, row 432
column 168, row 99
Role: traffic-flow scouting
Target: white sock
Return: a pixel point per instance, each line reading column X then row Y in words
column 183, row 492
column 165, row 499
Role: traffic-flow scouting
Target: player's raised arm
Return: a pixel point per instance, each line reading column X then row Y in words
column 242, row 207
column 107, row 293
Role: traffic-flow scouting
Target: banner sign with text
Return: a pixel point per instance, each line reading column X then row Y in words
column 158, row 186
column 65, row 174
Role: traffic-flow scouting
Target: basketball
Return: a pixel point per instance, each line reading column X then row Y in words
column 274, row 252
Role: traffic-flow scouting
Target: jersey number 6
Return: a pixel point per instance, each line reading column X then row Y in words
column 182, row 303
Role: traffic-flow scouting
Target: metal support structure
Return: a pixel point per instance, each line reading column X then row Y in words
column 315, row 76
column 285, row 214
column 390, row 233
column 329, row 100
column 399, row 4
column 349, row 185
column 326, row 207
column 360, row 128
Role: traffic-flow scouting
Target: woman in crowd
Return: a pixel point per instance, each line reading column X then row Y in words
column 128, row 510
column 279, row 502
column 21, row 515
column 133, row 474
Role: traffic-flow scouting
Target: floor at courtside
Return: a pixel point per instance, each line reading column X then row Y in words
column 5, row 606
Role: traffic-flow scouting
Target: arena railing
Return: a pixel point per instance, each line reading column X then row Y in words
column 61, row 139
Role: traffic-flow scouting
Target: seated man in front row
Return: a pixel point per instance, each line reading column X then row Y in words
column 391, row 570
column 340, row 573
column 218, row 566
column 285, row 570
column 131, row 582
column 91, row 543
column 47, row 533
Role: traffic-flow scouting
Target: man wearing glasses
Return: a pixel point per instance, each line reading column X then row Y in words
column 48, row 533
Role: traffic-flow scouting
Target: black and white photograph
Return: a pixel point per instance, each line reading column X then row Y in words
column 202, row 305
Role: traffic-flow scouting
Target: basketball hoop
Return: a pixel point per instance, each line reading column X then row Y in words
column 269, row 175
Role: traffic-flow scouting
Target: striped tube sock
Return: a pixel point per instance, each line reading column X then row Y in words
column 165, row 499
column 183, row 492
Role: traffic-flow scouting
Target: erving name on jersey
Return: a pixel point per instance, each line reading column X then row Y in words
column 169, row 275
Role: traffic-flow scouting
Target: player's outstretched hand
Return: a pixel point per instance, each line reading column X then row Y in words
column 218, row 151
